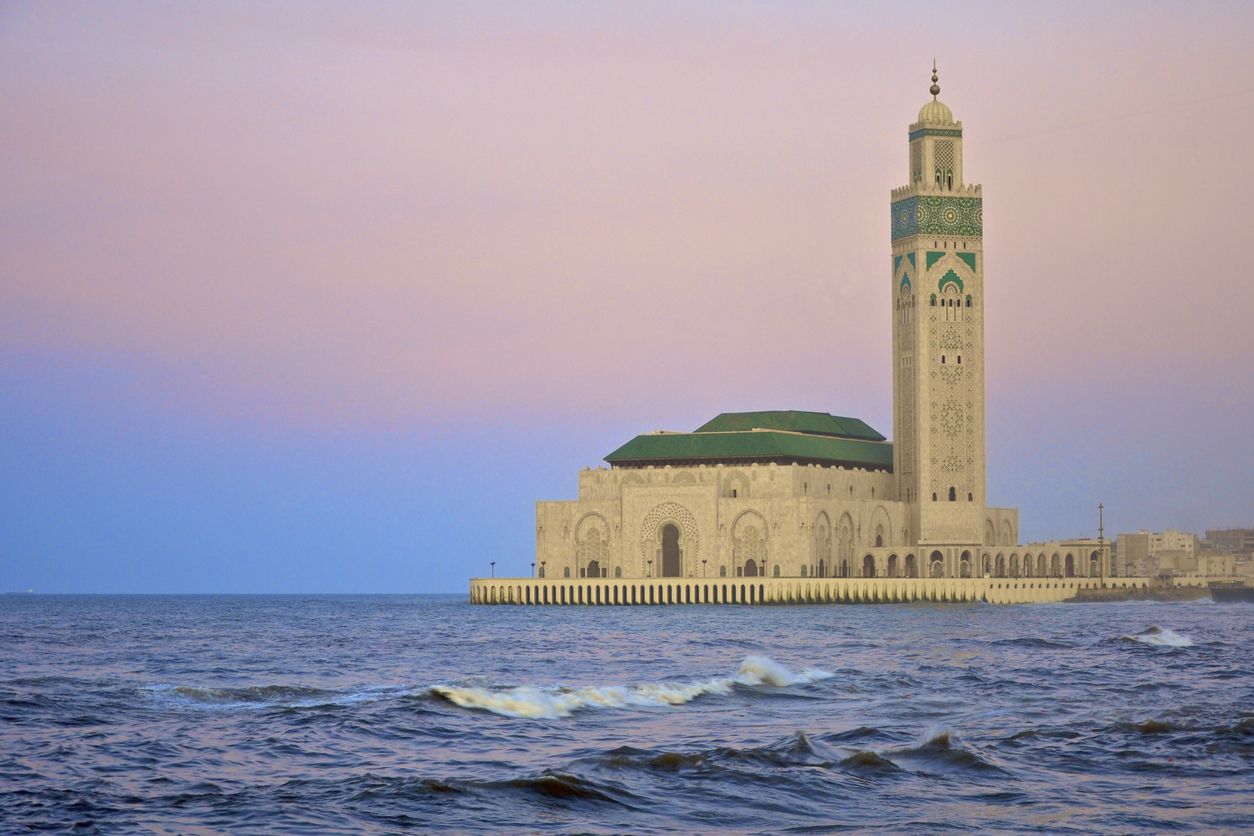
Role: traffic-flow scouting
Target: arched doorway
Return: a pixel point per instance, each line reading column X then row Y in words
column 1095, row 567
column 964, row 569
column 868, row 566
column 822, row 569
column 751, row 568
column 1055, row 566
column 593, row 570
column 1001, row 566
column 1070, row 566
column 672, row 565
column 912, row 571
column 937, row 567
column 892, row 566
column 844, row 568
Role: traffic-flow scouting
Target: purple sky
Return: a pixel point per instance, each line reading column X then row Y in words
column 314, row 297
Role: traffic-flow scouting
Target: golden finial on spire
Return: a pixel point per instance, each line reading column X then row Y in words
column 935, row 89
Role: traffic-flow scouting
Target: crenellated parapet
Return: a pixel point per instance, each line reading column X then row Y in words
column 960, row 190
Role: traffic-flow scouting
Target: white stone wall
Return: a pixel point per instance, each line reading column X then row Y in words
column 802, row 521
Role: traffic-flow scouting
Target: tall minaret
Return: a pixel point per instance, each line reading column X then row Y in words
column 938, row 337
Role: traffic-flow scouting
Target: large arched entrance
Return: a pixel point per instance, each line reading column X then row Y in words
column 868, row 566
column 593, row 569
column 1069, row 566
column 892, row 566
column 937, row 567
column 751, row 568
column 822, row 573
column 912, row 571
column 672, row 564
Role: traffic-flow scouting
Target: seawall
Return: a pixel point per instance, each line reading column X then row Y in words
column 754, row 591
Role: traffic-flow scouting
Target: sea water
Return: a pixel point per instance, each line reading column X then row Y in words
column 379, row 713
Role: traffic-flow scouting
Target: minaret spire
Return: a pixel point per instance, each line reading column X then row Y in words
column 935, row 89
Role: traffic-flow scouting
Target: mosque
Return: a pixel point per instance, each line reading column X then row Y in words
column 807, row 495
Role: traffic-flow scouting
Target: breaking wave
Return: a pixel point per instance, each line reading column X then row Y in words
column 553, row 702
column 1160, row 637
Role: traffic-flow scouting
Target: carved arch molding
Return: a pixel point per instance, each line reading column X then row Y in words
column 592, row 540
column 658, row 517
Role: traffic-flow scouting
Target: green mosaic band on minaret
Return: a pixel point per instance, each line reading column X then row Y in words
column 937, row 215
column 943, row 132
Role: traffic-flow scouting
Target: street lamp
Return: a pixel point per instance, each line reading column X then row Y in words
column 533, row 568
column 493, row 564
column 1101, row 540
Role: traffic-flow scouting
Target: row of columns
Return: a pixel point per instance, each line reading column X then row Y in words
column 620, row 592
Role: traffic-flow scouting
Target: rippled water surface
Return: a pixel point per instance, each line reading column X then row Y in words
column 376, row 713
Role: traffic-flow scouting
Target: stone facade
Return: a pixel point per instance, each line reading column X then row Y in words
column 770, row 520
column 926, row 516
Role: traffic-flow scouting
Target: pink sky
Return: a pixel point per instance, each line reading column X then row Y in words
column 326, row 218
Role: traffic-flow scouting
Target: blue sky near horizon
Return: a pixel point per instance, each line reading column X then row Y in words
column 303, row 298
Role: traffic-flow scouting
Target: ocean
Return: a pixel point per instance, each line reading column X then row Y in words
column 306, row 714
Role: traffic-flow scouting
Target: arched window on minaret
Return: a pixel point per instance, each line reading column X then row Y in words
column 951, row 300
column 943, row 154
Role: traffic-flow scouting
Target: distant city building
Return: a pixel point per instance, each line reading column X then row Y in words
column 1147, row 553
column 808, row 494
column 1216, row 565
column 1229, row 540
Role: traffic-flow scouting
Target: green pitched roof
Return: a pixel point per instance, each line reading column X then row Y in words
column 762, row 445
column 754, row 445
column 792, row 420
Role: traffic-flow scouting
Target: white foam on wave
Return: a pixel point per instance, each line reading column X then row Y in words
column 532, row 702
column 1161, row 637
